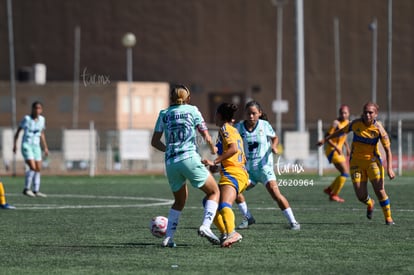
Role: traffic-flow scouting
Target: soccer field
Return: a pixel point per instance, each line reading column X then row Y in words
column 100, row 226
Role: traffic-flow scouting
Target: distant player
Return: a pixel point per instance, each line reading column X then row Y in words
column 33, row 127
column 365, row 160
column 335, row 155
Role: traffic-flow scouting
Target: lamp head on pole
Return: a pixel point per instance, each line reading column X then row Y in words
column 129, row 40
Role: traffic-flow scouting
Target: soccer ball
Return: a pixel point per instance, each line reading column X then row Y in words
column 158, row 226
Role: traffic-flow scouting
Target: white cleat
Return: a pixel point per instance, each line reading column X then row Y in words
column 28, row 193
column 206, row 232
column 295, row 226
column 40, row 194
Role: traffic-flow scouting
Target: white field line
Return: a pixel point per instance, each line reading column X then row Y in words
column 157, row 202
column 34, row 206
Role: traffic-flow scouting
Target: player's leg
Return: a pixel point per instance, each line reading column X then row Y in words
column 376, row 176
column 180, row 192
column 340, row 180
column 210, row 203
column 359, row 180
column 228, row 195
column 329, row 156
column 3, row 202
column 29, row 177
column 28, row 155
column 248, row 218
column 36, row 177
column 201, row 178
column 273, row 189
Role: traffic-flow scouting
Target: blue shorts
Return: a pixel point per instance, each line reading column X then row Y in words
column 263, row 175
column 191, row 169
column 31, row 152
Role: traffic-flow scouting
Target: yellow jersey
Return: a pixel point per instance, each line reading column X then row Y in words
column 228, row 135
column 366, row 138
column 338, row 141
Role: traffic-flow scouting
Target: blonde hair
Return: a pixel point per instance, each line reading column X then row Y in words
column 179, row 94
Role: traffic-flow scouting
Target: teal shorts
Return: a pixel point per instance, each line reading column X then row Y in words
column 31, row 152
column 263, row 175
column 191, row 169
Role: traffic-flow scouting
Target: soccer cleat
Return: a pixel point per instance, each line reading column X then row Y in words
column 336, row 198
column 232, row 238
column 40, row 194
column 294, row 226
column 223, row 237
column 167, row 242
column 206, row 232
column 28, row 193
column 7, row 206
column 246, row 222
column 389, row 222
column 370, row 210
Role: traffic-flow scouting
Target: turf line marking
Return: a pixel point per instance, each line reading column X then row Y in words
column 45, row 206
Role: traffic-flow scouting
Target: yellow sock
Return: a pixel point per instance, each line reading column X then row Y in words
column 369, row 202
column 386, row 208
column 219, row 223
column 338, row 184
column 2, row 194
column 229, row 219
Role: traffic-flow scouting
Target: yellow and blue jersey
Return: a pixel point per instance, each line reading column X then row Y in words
column 330, row 151
column 233, row 170
column 228, row 135
column 366, row 139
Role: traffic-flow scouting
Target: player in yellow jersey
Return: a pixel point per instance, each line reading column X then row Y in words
column 3, row 203
column 334, row 153
column 365, row 159
column 233, row 174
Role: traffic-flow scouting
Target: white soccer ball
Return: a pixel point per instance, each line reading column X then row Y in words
column 158, row 226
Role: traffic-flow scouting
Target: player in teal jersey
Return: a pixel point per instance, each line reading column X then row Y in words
column 179, row 123
column 260, row 142
column 33, row 127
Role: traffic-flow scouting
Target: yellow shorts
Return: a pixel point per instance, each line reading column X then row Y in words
column 235, row 176
column 362, row 170
column 334, row 157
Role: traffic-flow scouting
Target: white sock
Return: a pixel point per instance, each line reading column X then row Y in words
column 210, row 210
column 173, row 217
column 36, row 182
column 244, row 210
column 289, row 215
column 28, row 179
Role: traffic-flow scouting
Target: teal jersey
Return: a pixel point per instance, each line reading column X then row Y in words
column 257, row 144
column 179, row 124
column 32, row 129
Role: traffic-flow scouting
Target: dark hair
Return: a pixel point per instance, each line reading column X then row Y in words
column 256, row 104
column 227, row 110
column 34, row 104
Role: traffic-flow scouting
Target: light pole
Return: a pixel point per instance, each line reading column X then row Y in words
column 129, row 40
column 12, row 73
column 279, row 54
column 373, row 27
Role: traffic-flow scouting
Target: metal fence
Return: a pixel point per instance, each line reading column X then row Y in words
column 114, row 152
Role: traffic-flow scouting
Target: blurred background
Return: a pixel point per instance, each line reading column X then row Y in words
column 103, row 69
